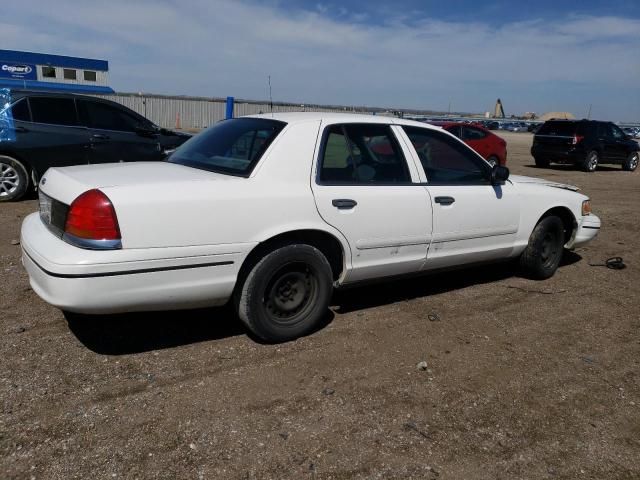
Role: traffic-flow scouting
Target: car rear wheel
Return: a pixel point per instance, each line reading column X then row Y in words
column 542, row 256
column 14, row 179
column 541, row 162
column 493, row 160
column 591, row 161
column 286, row 294
column 631, row 163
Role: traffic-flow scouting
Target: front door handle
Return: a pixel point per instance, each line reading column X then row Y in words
column 99, row 136
column 445, row 200
column 344, row 203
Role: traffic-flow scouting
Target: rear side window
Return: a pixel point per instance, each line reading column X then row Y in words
column 53, row 110
column 446, row 160
column 362, row 154
column 106, row 117
column 232, row 146
column 562, row 129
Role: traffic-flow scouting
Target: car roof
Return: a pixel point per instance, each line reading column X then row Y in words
column 339, row 117
column 19, row 93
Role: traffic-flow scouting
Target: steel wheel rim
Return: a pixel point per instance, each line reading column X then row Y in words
column 592, row 162
column 549, row 250
column 290, row 293
column 9, row 179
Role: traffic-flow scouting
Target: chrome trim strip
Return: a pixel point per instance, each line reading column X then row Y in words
column 92, row 244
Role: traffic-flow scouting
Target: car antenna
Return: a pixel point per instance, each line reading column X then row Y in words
column 270, row 97
column 589, row 114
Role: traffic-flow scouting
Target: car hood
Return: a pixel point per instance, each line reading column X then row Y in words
column 519, row 179
column 66, row 183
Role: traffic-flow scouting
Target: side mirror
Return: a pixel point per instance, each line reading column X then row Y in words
column 499, row 174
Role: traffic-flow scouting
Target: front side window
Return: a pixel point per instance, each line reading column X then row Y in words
column 362, row 154
column 232, row 146
column 106, row 117
column 471, row 133
column 616, row 133
column 53, row 110
column 446, row 160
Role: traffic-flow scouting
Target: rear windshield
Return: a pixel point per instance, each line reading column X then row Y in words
column 232, row 146
column 565, row 129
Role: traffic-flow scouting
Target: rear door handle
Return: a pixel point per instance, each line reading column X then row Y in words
column 99, row 136
column 445, row 200
column 21, row 129
column 343, row 203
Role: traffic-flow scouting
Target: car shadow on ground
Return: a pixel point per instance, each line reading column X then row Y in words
column 567, row 168
column 374, row 295
column 138, row 332
column 130, row 333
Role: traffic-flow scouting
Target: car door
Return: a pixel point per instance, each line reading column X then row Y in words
column 473, row 220
column 116, row 135
column 476, row 139
column 618, row 146
column 48, row 134
column 365, row 188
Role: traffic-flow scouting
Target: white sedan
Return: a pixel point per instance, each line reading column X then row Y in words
column 273, row 211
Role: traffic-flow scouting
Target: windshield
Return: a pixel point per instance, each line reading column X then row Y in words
column 232, row 146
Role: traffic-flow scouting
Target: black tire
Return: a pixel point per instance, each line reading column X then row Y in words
column 590, row 162
column 286, row 294
column 493, row 160
column 541, row 162
column 542, row 256
column 14, row 179
column 631, row 163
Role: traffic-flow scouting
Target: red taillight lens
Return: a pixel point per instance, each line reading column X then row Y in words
column 91, row 216
column 577, row 139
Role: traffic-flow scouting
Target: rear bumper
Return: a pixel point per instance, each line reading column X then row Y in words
column 587, row 230
column 569, row 156
column 85, row 281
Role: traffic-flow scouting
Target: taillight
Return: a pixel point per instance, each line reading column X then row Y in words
column 577, row 139
column 92, row 218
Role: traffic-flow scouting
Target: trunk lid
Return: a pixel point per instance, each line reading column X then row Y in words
column 66, row 183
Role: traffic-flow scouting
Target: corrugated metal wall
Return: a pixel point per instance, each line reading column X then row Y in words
column 197, row 112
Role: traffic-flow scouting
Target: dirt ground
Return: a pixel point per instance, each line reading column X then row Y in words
column 524, row 379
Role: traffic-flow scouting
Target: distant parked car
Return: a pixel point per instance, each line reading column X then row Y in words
column 491, row 147
column 42, row 130
column 585, row 143
column 633, row 132
column 492, row 125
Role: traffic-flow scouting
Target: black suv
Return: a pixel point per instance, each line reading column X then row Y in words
column 585, row 143
column 42, row 130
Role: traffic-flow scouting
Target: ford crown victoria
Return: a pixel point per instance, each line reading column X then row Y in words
column 271, row 212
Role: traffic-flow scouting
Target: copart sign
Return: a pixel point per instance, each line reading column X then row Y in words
column 17, row 71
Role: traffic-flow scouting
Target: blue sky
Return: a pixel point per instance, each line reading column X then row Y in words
column 536, row 56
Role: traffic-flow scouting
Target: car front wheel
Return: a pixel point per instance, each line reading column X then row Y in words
column 631, row 163
column 542, row 256
column 286, row 294
column 493, row 160
column 14, row 179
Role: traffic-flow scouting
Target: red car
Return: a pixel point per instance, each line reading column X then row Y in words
column 492, row 148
